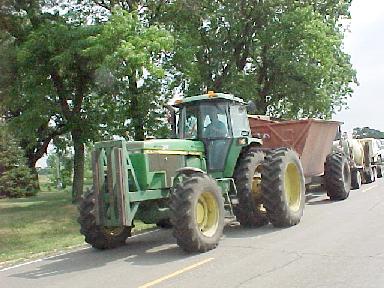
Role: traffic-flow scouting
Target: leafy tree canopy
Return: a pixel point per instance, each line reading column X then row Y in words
column 366, row 132
column 286, row 55
column 56, row 85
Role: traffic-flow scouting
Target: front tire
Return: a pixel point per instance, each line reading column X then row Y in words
column 283, row 187
column 197, row 213
column 337, row 176
column 99, row 237
column 250, row 212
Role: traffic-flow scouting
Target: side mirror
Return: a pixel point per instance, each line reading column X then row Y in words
column 251, row 107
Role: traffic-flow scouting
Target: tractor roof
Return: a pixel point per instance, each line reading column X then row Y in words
column 209, row 96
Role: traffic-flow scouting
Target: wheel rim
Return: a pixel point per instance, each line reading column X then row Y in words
column 256, row 182
column 207, row 214
column 256, row 189
column 112, row 231
column 292, row 187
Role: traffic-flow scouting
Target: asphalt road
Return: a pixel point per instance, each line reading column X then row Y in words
column 337, row 244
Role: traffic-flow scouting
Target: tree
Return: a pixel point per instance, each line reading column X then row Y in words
column 286, row 55
column 367, row 132
column 54, row 80
column 57, row 89
column 16, row 179
column 26, row 112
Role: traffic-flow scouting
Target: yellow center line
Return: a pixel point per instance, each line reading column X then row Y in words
column 370, row 188
column 178, row 272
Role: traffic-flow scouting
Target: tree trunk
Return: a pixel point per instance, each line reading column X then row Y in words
column 261, row 103
column 35, row 175
column 78, row 168
column 262, row 80
column 31, row 162
column 136, row 112
column 137, row 119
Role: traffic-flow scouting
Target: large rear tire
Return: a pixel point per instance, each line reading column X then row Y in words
column 197, row 213
column 283, row 187
column 99, row 237
column 250, row 211
column 337, row 176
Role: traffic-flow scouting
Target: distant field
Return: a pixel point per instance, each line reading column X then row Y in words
column 38, row 225
column 45, row 184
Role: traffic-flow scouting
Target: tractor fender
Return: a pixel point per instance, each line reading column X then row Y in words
column 254, row 144
column 187, row 171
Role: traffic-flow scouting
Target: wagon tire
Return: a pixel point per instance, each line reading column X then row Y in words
column 356, row 179
column 337, row 176
column 379, row 171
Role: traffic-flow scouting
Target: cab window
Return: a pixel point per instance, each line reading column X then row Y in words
column 191, row 123
column 240, row 123
column 215, row 122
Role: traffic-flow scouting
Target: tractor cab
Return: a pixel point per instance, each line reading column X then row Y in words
column 218, row 120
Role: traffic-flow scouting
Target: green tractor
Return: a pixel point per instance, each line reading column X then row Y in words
column 213, row 170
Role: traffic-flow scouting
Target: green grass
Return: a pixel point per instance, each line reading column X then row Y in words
column 38, row 225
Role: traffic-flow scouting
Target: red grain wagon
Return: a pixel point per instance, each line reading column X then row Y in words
column 312, row 139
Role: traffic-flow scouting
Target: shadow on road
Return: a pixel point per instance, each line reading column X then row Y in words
column 317, row 196
column 151, row 249
column 236, row 231
column 320, row 202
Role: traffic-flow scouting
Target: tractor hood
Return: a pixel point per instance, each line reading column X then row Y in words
column 153, row 163
column 166, row 146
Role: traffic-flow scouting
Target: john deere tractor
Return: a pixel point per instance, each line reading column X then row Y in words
column 212, row 170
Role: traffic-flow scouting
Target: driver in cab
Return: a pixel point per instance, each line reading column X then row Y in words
column 215, row 129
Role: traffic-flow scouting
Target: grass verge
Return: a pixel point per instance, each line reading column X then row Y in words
column 43, row 224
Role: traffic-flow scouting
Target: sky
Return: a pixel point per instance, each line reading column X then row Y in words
column 365, row 44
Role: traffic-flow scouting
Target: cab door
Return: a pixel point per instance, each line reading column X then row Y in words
column 216, row 134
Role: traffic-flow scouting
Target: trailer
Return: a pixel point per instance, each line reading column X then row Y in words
column 370, row 167
column 312, row 140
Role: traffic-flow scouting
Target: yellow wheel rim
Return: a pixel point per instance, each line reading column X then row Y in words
column 207, row 214
column 256, row 183
column 292, row 187
column 256, row 189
